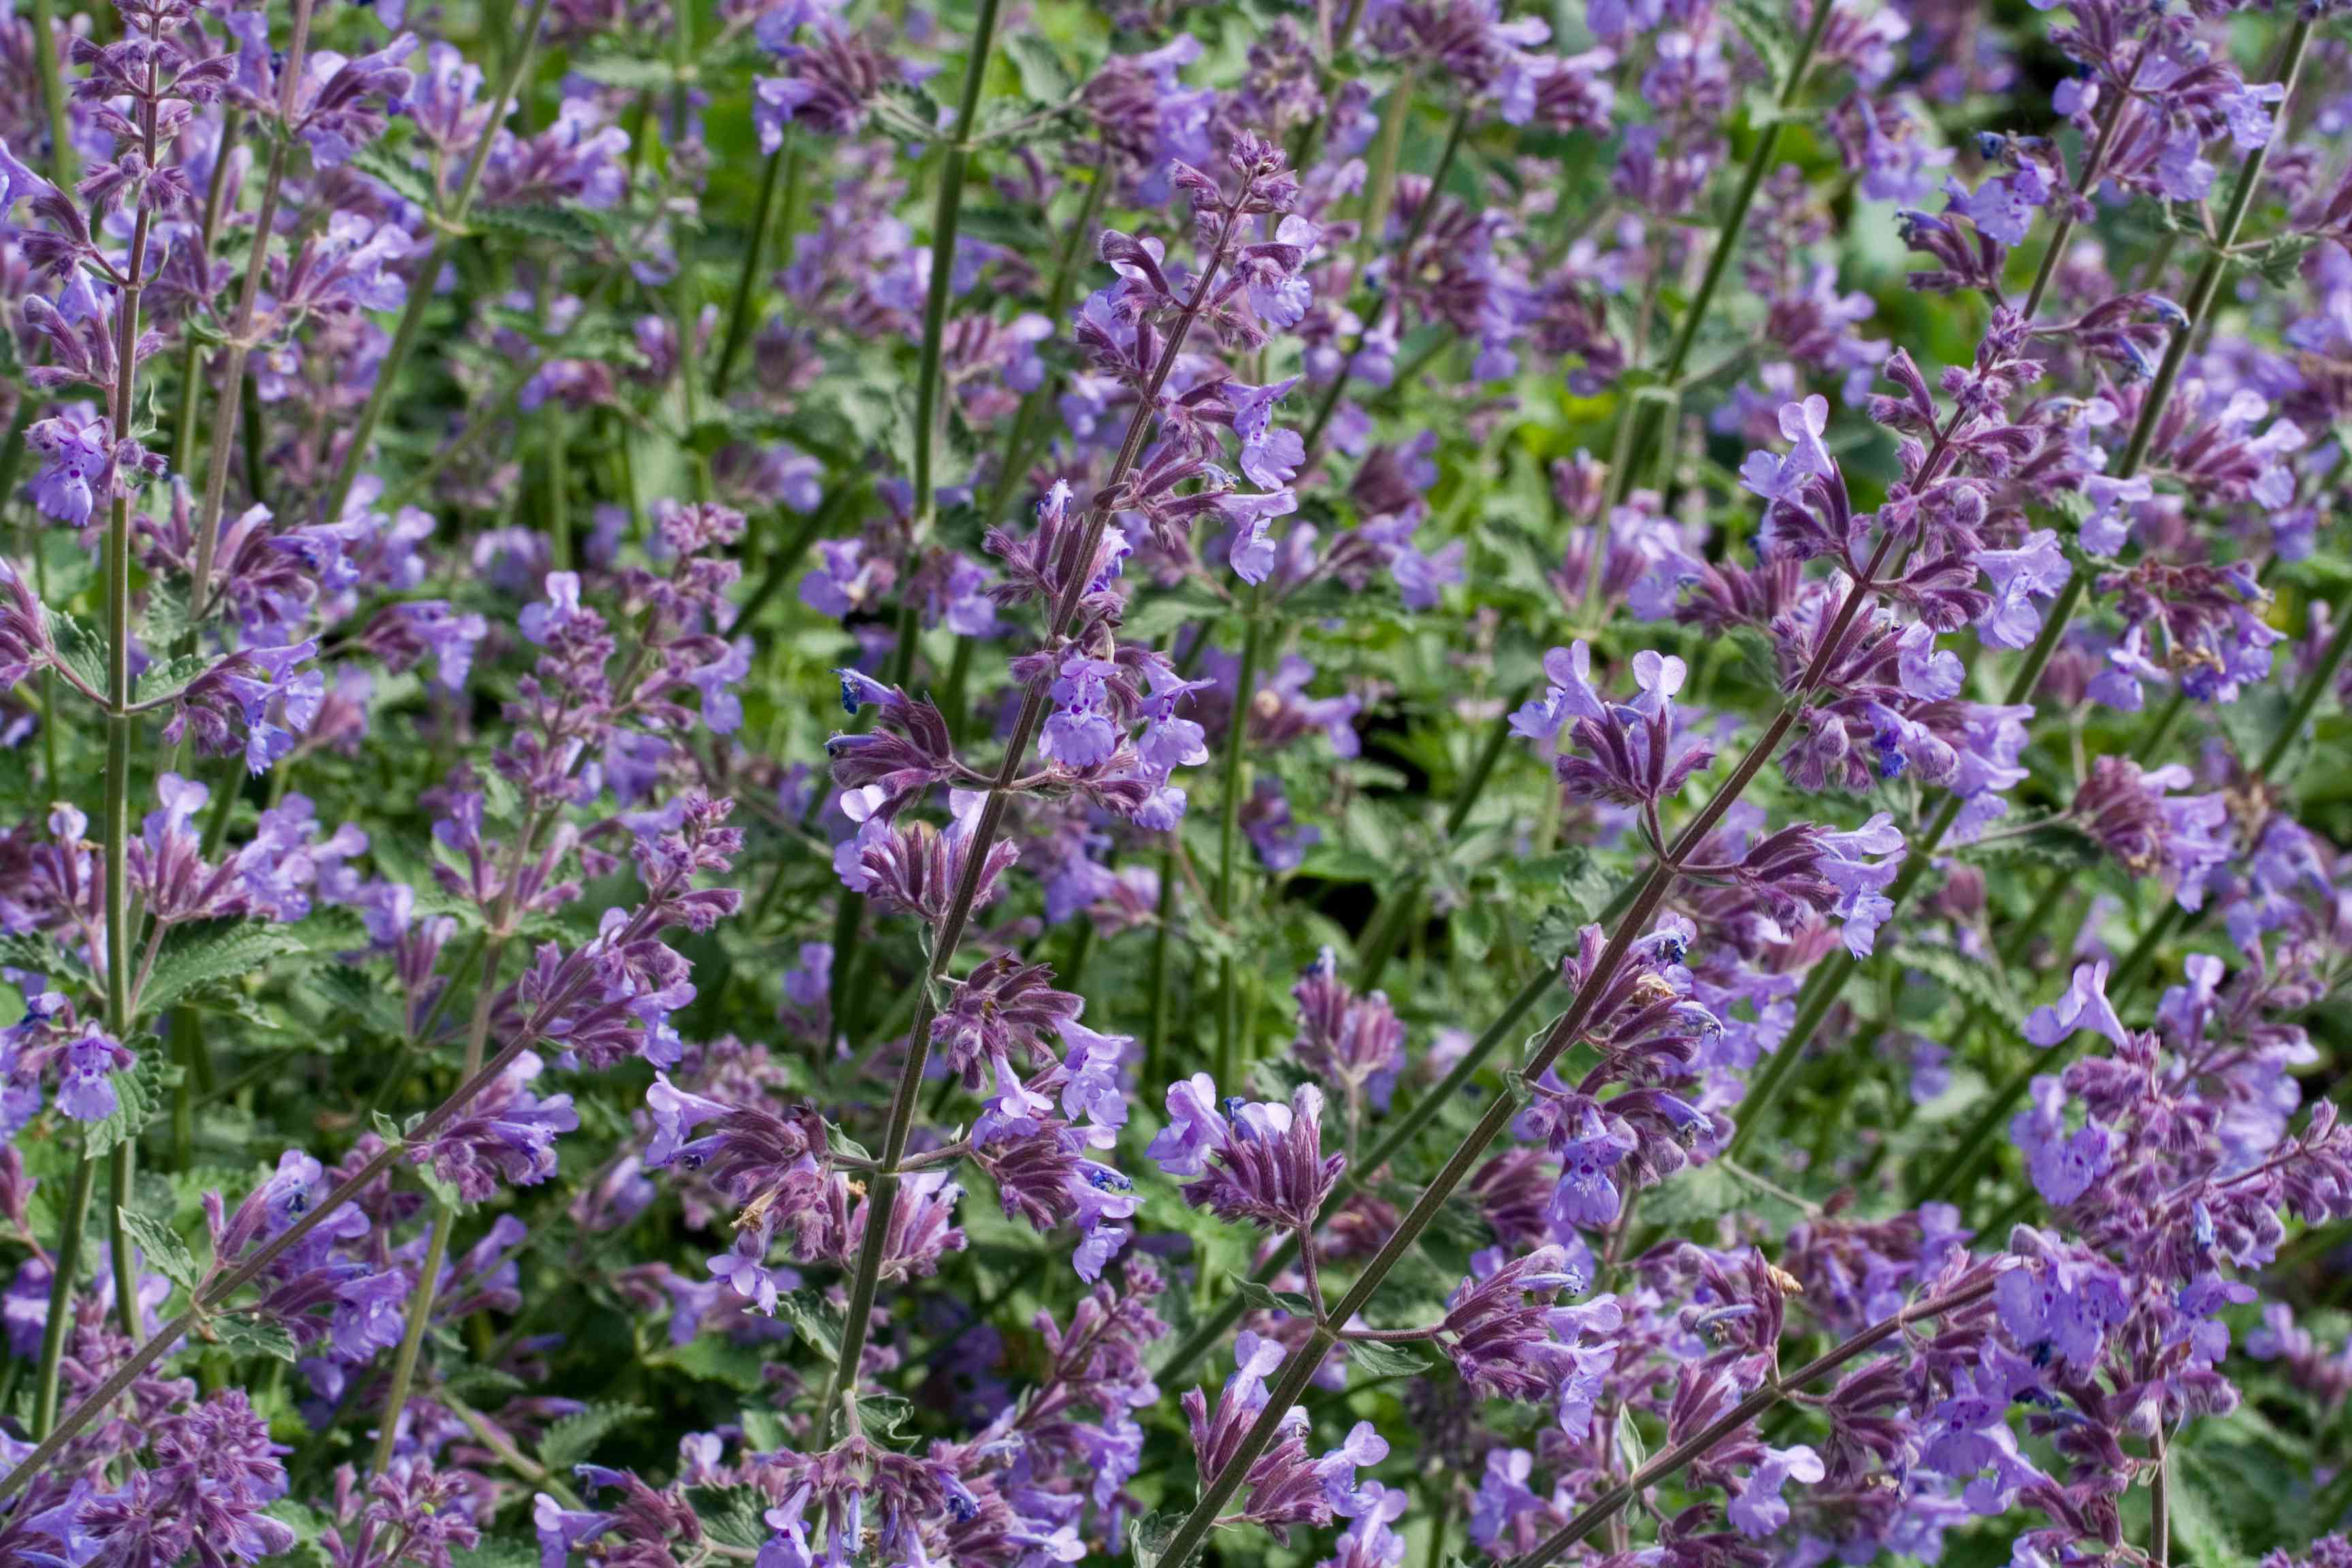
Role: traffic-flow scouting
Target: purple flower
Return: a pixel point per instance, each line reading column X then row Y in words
column 2083, row 1006
column 1784, row 479
column 1758, row 1509
column 86, row 1087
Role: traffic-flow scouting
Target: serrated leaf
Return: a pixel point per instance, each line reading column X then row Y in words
column 1043, row 75
column 205, row 951
column 2201, row 1512
column 1766, row 29
column 1271, row 1300
column 159, row 682
column 242, row 1336
column 480, row 1384
column 496, row 1553
column 576, row 1436
column 1379, row 1360
column 881, row 1415
column 407, row 180
column 764, row 1432
column 560, row 225
column 634, row 73
column 817, row 1320
column 1970, row 979
column 2053, row 842
column 138, row 1098
column 2278, row 259
column 731, row 1516
column 81, row 646
column 714, row 1358
column 1580, row 890
column 38, row 954
column 166, row 1252
column 1147, row 1538
column 1688, row 1197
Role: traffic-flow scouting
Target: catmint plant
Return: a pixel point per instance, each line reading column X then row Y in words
column 805, row 782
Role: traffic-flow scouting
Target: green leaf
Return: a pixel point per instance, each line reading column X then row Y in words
column 714, row 1358
column 2201, row 1513
column 211, row 950
column 1766, row 29
column 881, row 1415
column 2053, row 843
column 1699, row 1194
column 2279, row 259
column 1043, row 75
column 496, row 1553
column 1147, row 1538
column 635, row 73
column 764, row 1431
column 81, row 646
column 731, row 1516
column 1379, row 1360
column 407, row 180
column 576, row 1436
column 562, row 227
column 168, row 679
column 1630, row 1446
column 166, row 1253
column 243, row 1336
column 1970, row 979
column 1271, row 1300
column 1580, row 890
column 138, row 1096
column 816, row 1319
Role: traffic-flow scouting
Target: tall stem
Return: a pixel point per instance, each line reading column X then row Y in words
column 946, row 214
column 64, row 1265
column 53, row 94
column 437, row 1245
column 1751, row 180
column 1315, row 427
column 1703, row 1442
column 420, row 291
column 882, row 1188
column 782, row 174
column 1229, row 833
column 1076, row 246
column 1836, row 970
column 2087, row 187
column 225, row 423
column 121, row 938
column 1664, row 867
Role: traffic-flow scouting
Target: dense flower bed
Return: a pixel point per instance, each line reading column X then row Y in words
column 1584, row 803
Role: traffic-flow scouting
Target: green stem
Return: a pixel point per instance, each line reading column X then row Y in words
column 782, row 172
column 1839, row 968
column 1229, row 830
column 53, row 94
column 226, row 421
column 1317, row 427
column 1077, row 250
column 1155, row 1048
column 946, row 214
column 1751, row 180
column 1396, row 1133
column 437, row 1245
column 65, row 1262
column 120, row 934
column 420, row 291
column 882, row 1188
